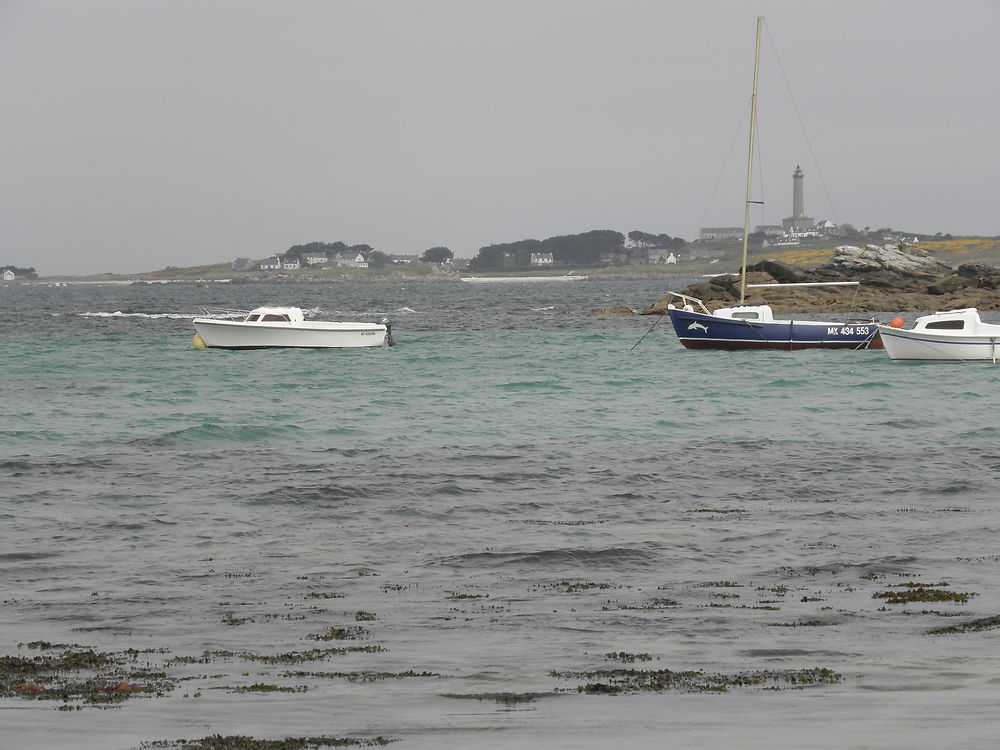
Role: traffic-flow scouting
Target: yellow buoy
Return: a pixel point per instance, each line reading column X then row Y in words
column 197, row 342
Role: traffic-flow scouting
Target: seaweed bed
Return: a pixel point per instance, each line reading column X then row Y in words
column 75, row 677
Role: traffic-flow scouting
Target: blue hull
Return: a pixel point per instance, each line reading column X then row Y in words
column 699, row 331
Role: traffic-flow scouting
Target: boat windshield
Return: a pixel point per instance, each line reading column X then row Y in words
column 952, row 325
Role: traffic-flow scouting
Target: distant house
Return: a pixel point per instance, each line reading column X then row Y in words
column 290, row 264
column 542, row 259
column 348, row 259
column 9, row 275
column 671, row 258
column 242, row 264
column 271, row 264
column 314, row 258
column 720, row 233
column 405, row 258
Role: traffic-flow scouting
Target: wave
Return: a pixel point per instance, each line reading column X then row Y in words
column 870, row 384
column 208, row 432
column 25, row 556
column 310, row 496
column 611, row 557
column 151, row 316
column 531, row 385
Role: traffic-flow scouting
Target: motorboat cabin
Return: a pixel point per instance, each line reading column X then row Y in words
column 275, row 315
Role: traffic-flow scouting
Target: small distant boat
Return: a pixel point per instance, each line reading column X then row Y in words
column 283, row 327
column 530, row 279
column 947, row 336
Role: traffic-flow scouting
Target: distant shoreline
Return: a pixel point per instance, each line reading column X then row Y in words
column 634, row 273
column 954, row 252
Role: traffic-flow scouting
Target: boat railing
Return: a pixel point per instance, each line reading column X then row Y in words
column 223, row 313
column 690, row 301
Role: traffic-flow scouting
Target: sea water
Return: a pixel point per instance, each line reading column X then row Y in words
column 526, row 525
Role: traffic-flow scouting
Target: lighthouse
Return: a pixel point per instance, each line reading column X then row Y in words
column 798, row 222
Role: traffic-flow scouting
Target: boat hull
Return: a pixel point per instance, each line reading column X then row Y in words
column 228, row 334
column 922, row 346
column 519, row 279
column 699, row 331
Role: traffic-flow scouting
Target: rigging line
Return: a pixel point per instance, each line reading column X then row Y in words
column 655, row 323
column 722, row 171
column 802, row 124
column 760, row 176
column 855, row 300
column 866, row 344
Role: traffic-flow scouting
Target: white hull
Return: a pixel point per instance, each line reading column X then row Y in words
column 922, row 346
column 233, row 334
column 947, row 336
column 514, row 279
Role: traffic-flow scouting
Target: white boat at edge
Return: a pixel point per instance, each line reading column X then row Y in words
column 945, row 336
column 530, row 279
column 283, row 327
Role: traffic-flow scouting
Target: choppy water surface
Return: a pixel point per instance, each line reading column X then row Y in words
column 510, row 530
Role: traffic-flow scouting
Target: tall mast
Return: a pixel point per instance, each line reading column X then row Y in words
column 753, row 137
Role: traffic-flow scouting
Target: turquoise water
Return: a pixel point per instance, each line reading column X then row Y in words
column 498, row 533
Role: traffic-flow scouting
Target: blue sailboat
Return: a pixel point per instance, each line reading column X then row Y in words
column 754, row 327
column 746, row 326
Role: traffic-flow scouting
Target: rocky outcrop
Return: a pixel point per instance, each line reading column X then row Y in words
column 892, row 279
column 874, row 258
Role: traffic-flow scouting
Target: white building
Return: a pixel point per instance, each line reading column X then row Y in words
column 720, row 233
column 350, row 260
column 542, row 259
column 314, row 258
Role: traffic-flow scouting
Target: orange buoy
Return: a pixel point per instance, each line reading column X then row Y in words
column 897, row 323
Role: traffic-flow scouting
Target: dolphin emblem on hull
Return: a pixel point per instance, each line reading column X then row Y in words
column 696, row 325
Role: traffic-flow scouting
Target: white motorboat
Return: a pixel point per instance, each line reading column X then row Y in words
column 520, row 279
column 283, row 327
column 948, row 336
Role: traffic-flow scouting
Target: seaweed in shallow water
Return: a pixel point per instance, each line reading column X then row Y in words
column 922, row 594
column 78, row 674
column 241, row 742
column 973, row 626
column 619, row 681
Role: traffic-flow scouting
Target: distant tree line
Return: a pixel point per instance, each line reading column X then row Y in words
column 599, row 246
column 437, row 255
column 664, row 241
column 375, row 258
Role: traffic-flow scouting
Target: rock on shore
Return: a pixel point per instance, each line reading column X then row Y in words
column 893, row 279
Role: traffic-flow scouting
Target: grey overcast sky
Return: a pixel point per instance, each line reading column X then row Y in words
column 138, row 134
